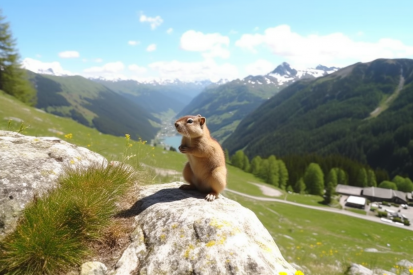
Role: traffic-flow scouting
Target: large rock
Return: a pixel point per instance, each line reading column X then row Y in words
column 179, row 232
column 30, row 166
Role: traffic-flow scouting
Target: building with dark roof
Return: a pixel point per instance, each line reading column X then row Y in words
column 374, row 193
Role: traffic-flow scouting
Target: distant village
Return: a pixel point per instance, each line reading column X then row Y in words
column 391, row 205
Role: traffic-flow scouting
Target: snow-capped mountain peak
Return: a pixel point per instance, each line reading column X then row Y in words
column 284, row 73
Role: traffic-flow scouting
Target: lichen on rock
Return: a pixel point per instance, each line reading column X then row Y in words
column 179, row 232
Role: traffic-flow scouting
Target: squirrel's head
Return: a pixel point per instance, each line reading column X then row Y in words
column 191, row 126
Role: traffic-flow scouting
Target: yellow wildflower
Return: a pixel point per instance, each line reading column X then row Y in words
column 127, row 136
column 282, row 273
column 69, row 136
column 298, row 272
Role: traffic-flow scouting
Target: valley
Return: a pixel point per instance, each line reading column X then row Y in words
column 300, row 223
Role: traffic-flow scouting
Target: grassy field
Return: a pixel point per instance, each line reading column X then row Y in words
column 317, row 240
column 327, row 243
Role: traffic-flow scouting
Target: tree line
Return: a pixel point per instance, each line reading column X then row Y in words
column 13, row 79
column 316, row 175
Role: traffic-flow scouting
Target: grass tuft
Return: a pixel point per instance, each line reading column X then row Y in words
column 54, row 231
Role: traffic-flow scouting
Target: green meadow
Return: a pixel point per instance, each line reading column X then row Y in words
column 320, row 241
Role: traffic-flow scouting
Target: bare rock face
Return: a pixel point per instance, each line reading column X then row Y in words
column 30, row 166
column 179, row 232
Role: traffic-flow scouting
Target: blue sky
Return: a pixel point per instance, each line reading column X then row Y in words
column 193, row 40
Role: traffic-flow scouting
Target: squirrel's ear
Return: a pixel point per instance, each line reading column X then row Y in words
column 202, row 120
column 198, row 115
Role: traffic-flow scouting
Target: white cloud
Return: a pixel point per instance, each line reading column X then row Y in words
column 111, row 70
column 133, row 43
column 151, row 48
column 259, row 67
column 69, row 54
column 211, row 45
column 330, row 49
column 192, row 71
column 153, row 21
column 137, row 69
column 98, row 60
column 44, row 67
column 169, row 31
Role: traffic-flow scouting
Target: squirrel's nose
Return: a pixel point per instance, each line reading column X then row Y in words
column 176, row 124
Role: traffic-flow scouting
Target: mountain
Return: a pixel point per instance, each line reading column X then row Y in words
column 363, row 111
column 94, row 105
column 160, row 97
column 226, row 105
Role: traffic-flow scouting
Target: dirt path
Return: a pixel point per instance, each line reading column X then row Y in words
column 267, row 191
column 386, row 104
column 332, row 210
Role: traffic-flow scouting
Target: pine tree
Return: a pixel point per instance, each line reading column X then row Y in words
column 403, row 184
column 371, row 178
column 273, row 171
column 361, row 178
column 226, row 153
column 299, row 186
column 388, row 185
column 256, row 165
column 283, row 174
column 246, row 164
column 314, row 179
column 13, row 79
column 331, row 184
column 341, row 176
column 237, row 159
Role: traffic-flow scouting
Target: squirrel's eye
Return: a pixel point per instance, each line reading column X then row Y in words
column 190, row 120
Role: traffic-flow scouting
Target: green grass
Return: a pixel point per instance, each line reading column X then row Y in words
column 54, row 231
column 342, row 239
column 305, row 199
column 327, row 243
column 357, row 211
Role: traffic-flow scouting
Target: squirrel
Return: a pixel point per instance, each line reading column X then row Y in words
column 205, row 169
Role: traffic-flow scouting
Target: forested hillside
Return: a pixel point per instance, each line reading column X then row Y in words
column 226, row 105
column 93, row 105
column 363, row 112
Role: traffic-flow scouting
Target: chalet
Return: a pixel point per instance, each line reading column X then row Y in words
column 374, row 193
column 382, row 194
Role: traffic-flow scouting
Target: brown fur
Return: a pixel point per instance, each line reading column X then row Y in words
column 205, row 169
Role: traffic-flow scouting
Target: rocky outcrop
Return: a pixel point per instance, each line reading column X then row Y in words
column 179, row 232
column 30, row 166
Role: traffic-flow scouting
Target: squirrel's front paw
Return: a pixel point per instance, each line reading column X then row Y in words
column 211, row 196
column 183, row 149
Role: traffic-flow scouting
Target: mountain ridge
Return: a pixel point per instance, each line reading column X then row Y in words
column 227, row 104
column 331, row 115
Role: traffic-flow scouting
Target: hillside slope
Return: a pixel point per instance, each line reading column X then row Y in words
column 94, row 105
column 335, row 114
column 157, row 98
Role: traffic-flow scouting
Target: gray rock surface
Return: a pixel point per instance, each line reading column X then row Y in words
column 356, row 269
column 179, row 232
column 30, row 166
column 93, row 268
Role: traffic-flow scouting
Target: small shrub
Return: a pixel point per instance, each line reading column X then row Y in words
column 386, row 203
column 372, row 209
column 395, row 204
column 397, row 219
column 382, row 214
column 53, row 232
column 406, row 222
